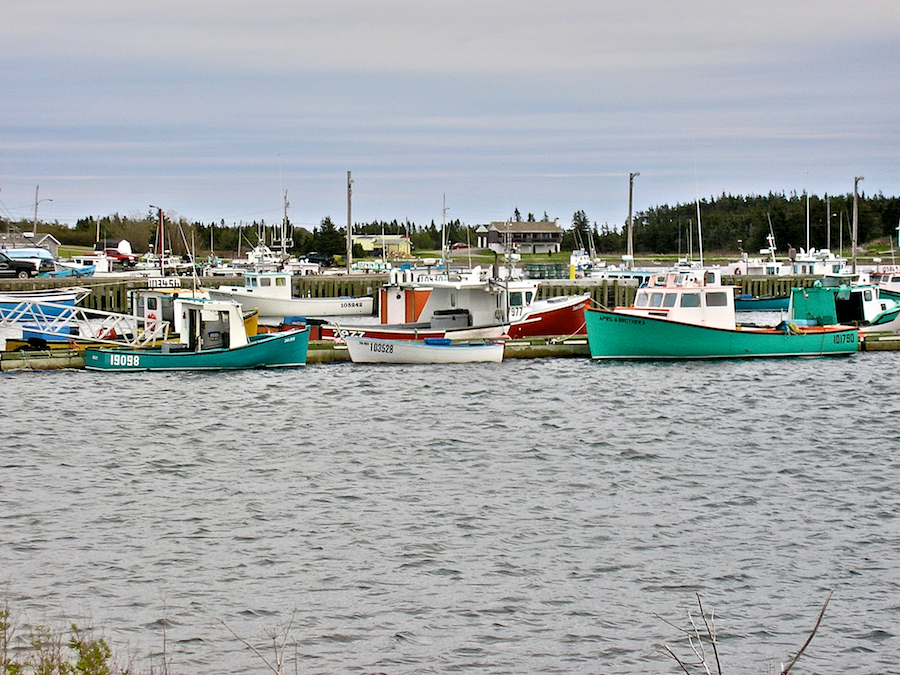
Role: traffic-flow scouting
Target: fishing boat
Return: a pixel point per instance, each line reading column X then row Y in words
column 467, row 306
column 270, row 293
column 847, row 301
column 214, row 339
column 429, row 350
column 692, row 316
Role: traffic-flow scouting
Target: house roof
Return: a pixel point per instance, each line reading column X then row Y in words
column 520, row 226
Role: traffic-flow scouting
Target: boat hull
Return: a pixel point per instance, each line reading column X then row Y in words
column 563, row 315
column 614, row 335
column 271, row 350
column 284, row 307
column 368, row 350
column 409, row 332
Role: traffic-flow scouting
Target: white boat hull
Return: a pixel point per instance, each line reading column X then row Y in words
column 370, row 350
column 283, row 307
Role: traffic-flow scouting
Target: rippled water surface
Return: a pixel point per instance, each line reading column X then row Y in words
column 523, row 517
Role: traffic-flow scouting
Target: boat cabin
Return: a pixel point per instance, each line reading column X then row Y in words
column 208, row 324
column 268, row 284
column 694, row 297
column 466, row 301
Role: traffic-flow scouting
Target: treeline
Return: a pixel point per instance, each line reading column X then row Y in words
column 728, row 223
column 183, row 236
column 733, row 222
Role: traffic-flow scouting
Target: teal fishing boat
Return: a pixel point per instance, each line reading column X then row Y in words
column 692, row 316
column 214, row 338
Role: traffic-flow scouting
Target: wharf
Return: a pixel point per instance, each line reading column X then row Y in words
column 879, row 342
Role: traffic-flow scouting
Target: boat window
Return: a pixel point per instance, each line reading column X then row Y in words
column 640, row 300
column 251, row 281
column 670, row 299
column 895, row 279
column 152, row 303
column 867, row 295
column 710, row 278
column 515, row 299
column 280, row 281
column 265, row 281
column 690, row 299
column 656, row 299
column 453, row 299
column 529, row 296
column 717, row 299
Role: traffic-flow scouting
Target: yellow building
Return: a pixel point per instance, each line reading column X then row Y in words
column 394, row 245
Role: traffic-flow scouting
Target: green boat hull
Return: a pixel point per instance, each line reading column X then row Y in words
column 620, row 336
column 269, row 350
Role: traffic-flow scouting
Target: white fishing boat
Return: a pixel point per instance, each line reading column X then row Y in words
column 429, row 350
column 467, row 306
column 270, row 293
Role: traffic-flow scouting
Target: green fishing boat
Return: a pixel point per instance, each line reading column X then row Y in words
column 214, row 338
column 692, row 316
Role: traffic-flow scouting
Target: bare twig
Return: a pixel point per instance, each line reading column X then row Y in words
column 680, row 663
column 809, row 639
column 711, row 632
column 252, row 648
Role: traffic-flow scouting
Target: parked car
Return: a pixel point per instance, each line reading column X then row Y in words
column 23, row 268
column 459, row 244
column 321, row 258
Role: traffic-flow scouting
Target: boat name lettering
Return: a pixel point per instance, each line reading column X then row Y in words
column 622, row 319
column 126, row 360
column 357, row 303
column 290, row 339
column 844, row 338
column 382, row 348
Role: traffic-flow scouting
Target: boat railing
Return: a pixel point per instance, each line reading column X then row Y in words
column 83, row 325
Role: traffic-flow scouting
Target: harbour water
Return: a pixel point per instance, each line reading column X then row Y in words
column 523, row 517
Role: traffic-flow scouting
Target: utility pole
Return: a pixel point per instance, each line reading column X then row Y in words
column 349, row 224
column 630, row 249
column 855, row 218
column 36, row 202
column 160, row 240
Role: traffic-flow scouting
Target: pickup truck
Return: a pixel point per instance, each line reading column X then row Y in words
column 126, row 259
column 22, row 268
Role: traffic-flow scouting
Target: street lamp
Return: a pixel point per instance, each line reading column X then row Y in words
column 855, row 217
column 36, row 202
column 630, row 249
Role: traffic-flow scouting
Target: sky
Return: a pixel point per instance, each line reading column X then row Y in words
column 213, row 109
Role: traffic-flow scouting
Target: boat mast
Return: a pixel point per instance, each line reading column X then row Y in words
column 349, row 224
column 444, row 260
column 855, row 218
column 700, row 233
